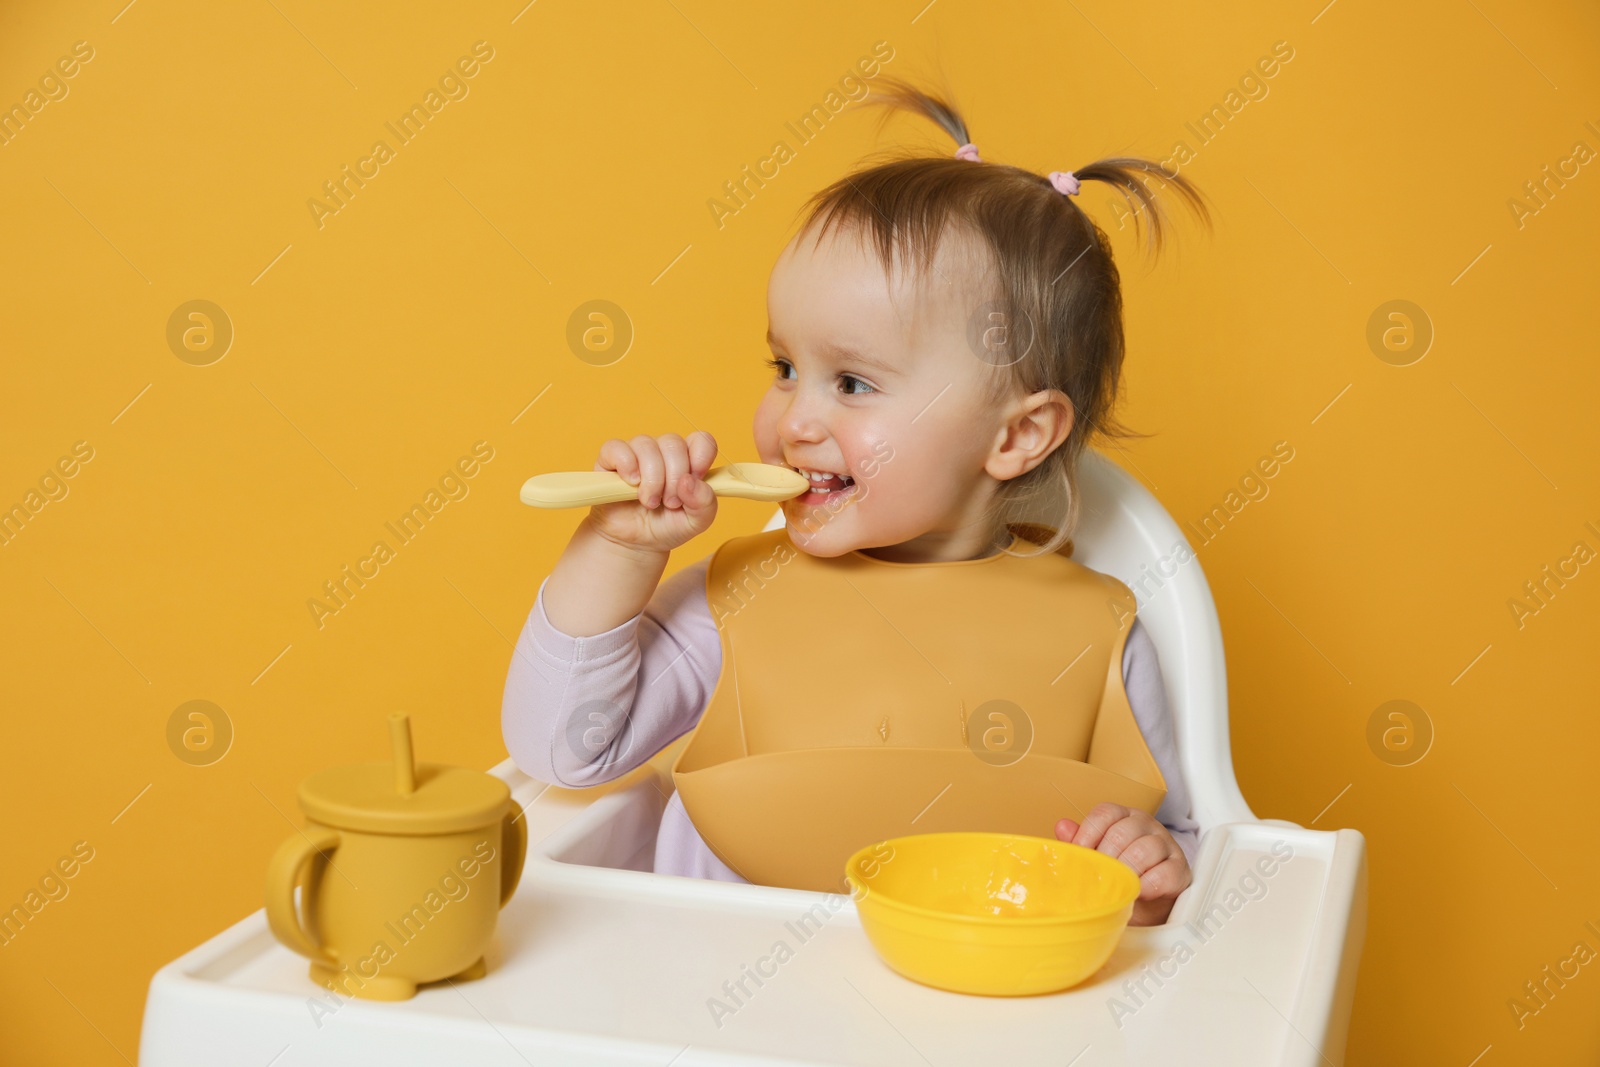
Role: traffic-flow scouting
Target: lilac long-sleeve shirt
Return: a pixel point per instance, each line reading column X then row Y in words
column 656, row 673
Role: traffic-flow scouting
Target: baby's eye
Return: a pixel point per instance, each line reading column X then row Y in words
column 847, row 379
column 780, row 366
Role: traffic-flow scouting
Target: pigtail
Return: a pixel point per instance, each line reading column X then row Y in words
column 1132, row 177
column 1140, row 181
column 893, row 94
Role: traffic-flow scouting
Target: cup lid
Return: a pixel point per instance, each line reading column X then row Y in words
column 403, row 796
column 362, row 796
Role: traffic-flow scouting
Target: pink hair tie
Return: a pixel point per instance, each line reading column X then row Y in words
column 1065, row 183
column 968, row 151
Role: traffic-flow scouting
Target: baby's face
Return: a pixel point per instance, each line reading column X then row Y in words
column 875, row 381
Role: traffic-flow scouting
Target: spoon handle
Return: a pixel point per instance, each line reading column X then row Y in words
column 579, row 489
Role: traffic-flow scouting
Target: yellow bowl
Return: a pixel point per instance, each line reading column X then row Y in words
column 995, row 914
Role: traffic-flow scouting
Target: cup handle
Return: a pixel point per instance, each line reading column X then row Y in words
column 282, row 874
column 514, row 845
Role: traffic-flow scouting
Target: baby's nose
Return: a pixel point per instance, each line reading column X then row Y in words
column 801, row 421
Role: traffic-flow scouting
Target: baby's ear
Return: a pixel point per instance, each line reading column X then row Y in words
column 1036, row 426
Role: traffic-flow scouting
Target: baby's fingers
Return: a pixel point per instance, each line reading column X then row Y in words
column 695, row 493
column 675, row 463
column 652, row 470
column 702, row 452
column 615, row 455
column 1166, row 879
column 1098, row 823
column 1147, row 853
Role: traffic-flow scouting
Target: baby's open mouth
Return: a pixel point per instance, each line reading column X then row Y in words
column 824, row 485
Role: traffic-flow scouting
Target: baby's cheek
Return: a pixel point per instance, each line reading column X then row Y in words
column 910, row 497
column 764, row 431
column 865, row 456
column 875, row 464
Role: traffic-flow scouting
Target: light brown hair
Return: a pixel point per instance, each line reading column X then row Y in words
column 1052, row 270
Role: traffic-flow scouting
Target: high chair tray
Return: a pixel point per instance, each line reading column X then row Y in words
column 599, row 962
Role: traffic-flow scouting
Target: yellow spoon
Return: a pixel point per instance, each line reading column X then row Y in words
column 580, row 489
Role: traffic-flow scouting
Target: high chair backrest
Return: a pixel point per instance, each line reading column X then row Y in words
column 1125, row 532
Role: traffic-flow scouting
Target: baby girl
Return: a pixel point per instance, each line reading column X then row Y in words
column 946, row 339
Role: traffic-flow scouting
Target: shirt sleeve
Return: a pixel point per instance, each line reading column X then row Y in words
column 580, row 711
column 1147, row 695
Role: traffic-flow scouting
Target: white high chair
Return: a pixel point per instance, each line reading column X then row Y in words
column 600, row 961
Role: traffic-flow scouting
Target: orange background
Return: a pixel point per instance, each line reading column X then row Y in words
column 369, row 354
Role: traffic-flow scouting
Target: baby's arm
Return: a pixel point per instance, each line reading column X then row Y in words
column 1147, row 695
column 1162, row 847
column 617, row 555
column 569, row 714
column 579, row 711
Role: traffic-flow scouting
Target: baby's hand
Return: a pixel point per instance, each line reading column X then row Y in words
column 674, row 502
column 1137, row 839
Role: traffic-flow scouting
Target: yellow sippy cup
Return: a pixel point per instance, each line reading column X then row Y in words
column 403, row 869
